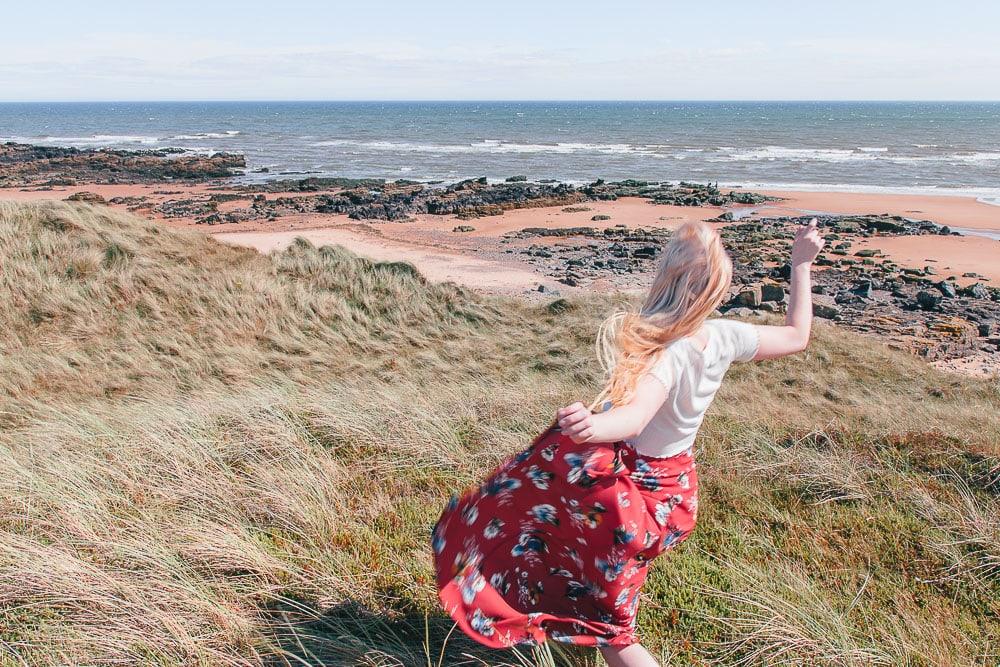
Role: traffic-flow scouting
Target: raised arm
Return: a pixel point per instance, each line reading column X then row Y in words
column 794, row 336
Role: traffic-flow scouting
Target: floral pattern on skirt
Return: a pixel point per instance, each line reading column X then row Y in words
column 556, row 543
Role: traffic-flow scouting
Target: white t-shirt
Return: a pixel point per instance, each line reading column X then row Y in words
column 692, row 376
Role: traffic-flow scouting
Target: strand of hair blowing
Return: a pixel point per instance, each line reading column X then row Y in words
column 693, row 278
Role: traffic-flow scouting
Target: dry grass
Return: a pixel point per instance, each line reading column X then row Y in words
column 213, row 457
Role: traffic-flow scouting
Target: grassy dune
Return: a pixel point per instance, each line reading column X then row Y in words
column 214, row 457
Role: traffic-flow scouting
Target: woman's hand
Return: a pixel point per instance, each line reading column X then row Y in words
column 576, row 421
column 807, row 244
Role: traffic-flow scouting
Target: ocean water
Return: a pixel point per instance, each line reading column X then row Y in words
column 903, row 147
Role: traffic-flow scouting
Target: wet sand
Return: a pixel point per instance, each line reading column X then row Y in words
column 949, row 255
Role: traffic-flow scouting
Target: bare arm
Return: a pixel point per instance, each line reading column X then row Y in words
column 794, row 335
column 619, row 423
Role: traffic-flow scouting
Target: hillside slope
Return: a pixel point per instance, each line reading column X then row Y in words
column 217, row 457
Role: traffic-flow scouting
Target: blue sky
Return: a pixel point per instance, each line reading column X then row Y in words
column 512, row 49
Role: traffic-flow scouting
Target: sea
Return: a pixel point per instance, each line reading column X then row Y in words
column 903, row 147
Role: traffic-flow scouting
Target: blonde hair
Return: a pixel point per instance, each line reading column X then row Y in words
column 692, row 280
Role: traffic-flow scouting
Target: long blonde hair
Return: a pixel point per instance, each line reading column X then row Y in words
column 692, row 280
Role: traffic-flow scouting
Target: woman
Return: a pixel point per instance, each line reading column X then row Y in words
column 556, row 543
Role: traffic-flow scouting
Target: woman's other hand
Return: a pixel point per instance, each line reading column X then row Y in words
column 576, row 422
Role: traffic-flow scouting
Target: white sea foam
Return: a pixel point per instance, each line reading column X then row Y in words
column 495, row 146
column 93, row 140
column 784, row 154
column 204, row 135
column 861, row 154
column 98, row 140
column 948, row 158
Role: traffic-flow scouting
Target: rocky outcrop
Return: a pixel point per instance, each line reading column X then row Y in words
column 681, row 194
column 466, row 199
column 24, row 164
column 371, row 199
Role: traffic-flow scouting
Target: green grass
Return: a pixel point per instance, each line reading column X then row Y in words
column 215, row 457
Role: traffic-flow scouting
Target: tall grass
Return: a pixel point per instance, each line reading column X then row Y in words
column 215, row 457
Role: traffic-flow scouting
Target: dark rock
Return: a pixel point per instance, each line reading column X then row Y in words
column 947, row 289
column 772, row 292
column 645, row 252
column 884, row 224
column 784, row 271
column 863, row 289
column 89, row 197
column 975, row 291
column 751, row 298
column 826, row 307
column 928, row 300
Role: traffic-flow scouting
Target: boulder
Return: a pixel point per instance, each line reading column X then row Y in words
column 772, row 292
column 863, row 289
column 975, row 291
column 947, row 289
column 784, row 271
column 85, row 196
column 645, row 252
column 927, row 300
column 751, row 298
column 826, row 307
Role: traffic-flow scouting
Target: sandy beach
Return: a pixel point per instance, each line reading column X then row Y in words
column 436, row 264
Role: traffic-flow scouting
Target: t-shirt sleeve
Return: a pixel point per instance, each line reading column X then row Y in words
column 740, row 340
column 665, row 369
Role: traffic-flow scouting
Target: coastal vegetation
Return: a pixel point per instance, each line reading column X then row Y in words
column 217, row 457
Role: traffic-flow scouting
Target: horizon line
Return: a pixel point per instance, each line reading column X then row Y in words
column 506, row 101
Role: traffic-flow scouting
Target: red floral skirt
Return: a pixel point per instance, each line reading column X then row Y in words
column 555, row 544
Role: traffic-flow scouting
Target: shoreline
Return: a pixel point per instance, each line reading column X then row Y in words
column 967, row 253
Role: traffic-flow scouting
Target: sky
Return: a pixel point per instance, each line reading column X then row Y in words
column 56, row 50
